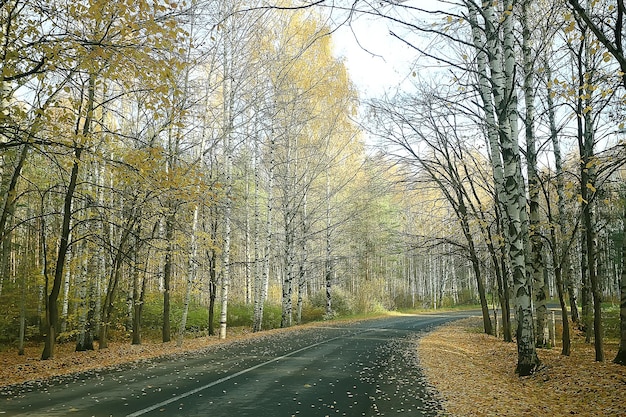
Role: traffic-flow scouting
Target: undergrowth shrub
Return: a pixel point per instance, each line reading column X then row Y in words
column 342, row 303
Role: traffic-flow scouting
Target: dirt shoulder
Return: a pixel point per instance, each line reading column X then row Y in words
column 475, row 375
column 15, row 369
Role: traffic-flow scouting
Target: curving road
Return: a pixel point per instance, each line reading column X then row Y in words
column 369, row 368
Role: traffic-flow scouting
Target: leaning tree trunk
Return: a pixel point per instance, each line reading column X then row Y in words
column 52, row 309
column 480, row 281
column 490, row 63
column 107, row 305
column 498, row 259
column 114, row 279
column 10, row 202
column 565, row 339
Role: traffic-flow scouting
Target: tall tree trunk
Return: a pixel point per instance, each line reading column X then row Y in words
column 227, row 237
column 560, row 246
column 499, row 87
column 191, row 276
column 536, row 241
column 139, row 281
column 585, row 290
column 52, row 309
column 488, row 64
column 114, row 278
column 66, row 291
column 22, row 331
column 192, row 269
column 587, row 192
column 516, row 206
column 286, row 316
column 328, row 267
column 84, row 337
column 228, row 118
column 620, row 358
column 258, row 320
column 303, row 257
column 212, row 256
column 167, row 275
column 247, row 237
column 8, row 209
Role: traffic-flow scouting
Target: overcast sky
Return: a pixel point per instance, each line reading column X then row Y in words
column 378, row 62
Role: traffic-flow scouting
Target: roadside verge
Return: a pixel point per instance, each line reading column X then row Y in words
column 475, row 375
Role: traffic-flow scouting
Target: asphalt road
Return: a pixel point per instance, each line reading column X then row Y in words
column 368, row 368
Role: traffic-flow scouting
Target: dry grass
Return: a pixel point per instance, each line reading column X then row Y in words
column 475, row 375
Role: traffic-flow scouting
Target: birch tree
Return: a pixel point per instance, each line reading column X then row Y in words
column 536, row 241
column 611, row 36
column 560, row 246
column 494, row 44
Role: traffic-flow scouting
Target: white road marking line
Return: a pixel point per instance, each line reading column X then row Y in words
column 226, row 378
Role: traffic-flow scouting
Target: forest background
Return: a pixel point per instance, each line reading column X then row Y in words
column 179, row 167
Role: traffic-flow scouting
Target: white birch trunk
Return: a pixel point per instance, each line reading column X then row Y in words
column 192, row 269
column 228, row 97
column 268, row 234
column 247, row 239
column 227, row 237
column 191, row 276
column 536, row 263
column 258, row 266
column 289, row 230
column 66, row 290
column 302, row 273
column 512, row 195
column 516, row 209
column 328, row 273
column 193, row 252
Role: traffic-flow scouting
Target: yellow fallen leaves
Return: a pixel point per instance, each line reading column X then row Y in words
column 475, row 374
column 16, row 369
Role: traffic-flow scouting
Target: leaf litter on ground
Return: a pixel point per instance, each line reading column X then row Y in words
column 18, row 369
column 473, row 373
column 475, row 376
